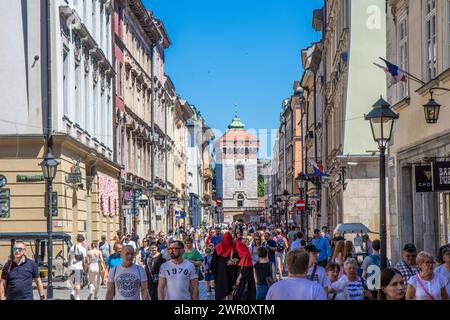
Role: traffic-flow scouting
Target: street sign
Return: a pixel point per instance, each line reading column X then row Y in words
column 5, row 203
column 143, row 203
column 54, row 205
column 300, row 204
column 173, row 198
column 3, row 181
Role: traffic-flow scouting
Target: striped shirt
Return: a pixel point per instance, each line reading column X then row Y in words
column 356, row 289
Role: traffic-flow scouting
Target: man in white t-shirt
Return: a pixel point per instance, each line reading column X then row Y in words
column 127, row 281
column 315, row 272
column 178, row 279
column 296, row 286
column 77, row 257
column 128, row 242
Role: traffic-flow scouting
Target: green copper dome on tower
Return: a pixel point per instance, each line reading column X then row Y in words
column 236, row 123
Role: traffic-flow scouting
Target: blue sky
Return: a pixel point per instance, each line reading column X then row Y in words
column 236, row 51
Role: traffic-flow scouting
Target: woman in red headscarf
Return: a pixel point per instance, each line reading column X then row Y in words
column 223, row 266
column 246, row 286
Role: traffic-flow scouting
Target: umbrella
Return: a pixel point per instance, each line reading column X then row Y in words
column 352, row 228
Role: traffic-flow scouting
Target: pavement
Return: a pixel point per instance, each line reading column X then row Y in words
column 62, row 292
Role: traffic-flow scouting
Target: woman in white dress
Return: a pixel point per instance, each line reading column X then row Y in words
column 95, row 258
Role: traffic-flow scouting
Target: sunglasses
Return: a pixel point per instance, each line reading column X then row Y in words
column 16, row 249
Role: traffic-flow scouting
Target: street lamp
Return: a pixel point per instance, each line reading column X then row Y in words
column 49, row 167
column 431, row 109
column 382, row 122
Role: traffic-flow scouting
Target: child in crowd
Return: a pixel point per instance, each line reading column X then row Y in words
column 206, row 266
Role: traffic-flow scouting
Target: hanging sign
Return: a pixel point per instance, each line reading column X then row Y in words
column 424, row 178
column 441, row 176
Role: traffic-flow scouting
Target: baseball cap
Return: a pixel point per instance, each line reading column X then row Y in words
column 409, row 247
column 312, row 248
column 316, row 230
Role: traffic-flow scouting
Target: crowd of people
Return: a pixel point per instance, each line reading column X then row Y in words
column 241, row 262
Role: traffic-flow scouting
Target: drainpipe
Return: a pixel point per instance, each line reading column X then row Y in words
column 152, row 100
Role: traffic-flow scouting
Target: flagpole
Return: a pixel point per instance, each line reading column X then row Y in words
column 406, row 72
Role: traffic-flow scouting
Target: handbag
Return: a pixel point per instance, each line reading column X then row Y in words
column 78, row 257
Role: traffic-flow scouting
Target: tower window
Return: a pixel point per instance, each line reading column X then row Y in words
column 240, row 201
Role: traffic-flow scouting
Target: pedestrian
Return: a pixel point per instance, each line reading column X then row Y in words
column 316, row 272
column 357, row 289
column 349, row 250
column 254, row 247
column 339, row 254
column 104, row 247
column 271, row 247
column 94, row 261
column 372, row 260
column 292, row 232
column 18, row 273
column 296, row 286
column 178, row 279
column 144, row 251
column 165, row 252
column 264, row 274
column 280, row 254
column 326, row 234
column 113, row 260
column 298, row 241
column 427, row 284
column 135, row 238
column 392, row 285
column 206, row 266
column 408, row 267
column 444, row 269
column 338, row 290
column 358, row 242
column 118, row 238
column 223, row 266
column 77, row 262
column 245, row 282
column 127, row 281
column 153, row 265
column 127, row 241
column 367, row 244
column 216, row 237
column 323, row 246
column 192, row 255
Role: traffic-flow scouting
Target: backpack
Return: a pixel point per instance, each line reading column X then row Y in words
column 281, row 245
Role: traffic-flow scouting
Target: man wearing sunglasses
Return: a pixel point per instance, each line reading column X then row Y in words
column 17, row 276
column 408, row 267
column 178, row 279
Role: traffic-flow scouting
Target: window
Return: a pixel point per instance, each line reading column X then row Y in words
column 66, row 81
column 95, row 111
column 239, row 174
column 403, row 53
column 86, row 103
column 102, row 26
column 94, row 18
column 77, row 93
column 108, row 35
column 240, row 201
column 430, row 40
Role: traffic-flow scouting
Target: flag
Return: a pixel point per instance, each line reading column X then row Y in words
column 318, row 169
column 397, row 74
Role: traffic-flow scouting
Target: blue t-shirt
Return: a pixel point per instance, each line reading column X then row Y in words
column 216, row 239
column 113, row 261
column 19, row 279
column 323, row 245
column 267, row 244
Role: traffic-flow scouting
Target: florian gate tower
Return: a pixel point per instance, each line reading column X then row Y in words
column 237, row 172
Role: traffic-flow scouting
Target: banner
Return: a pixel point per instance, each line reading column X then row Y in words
column 441, row 176
column 424, row 178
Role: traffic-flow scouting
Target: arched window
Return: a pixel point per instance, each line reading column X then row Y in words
column 240, row 200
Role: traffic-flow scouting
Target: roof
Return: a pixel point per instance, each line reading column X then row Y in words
column 236, row 123
column 237, row 134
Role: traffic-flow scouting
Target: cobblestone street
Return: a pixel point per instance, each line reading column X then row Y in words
column 61, row 292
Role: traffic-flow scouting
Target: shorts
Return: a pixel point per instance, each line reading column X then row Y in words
column 77, row 277
column 209, row 277
column 279, row 258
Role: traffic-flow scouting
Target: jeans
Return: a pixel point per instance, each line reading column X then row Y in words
column 261, row 292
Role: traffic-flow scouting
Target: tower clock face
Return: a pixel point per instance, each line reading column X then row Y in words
column 2, row 181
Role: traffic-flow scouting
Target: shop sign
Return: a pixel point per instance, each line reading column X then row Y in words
column 424, row 178
column 30, row 178
column 4, row 203
column 159, row 211
column 74, row 177
column 441, row 176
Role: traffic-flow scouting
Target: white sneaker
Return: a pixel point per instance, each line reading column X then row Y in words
column 72, row 296
column 77, row 298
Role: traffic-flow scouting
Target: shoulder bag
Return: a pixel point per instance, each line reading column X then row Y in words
column 423, row 288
